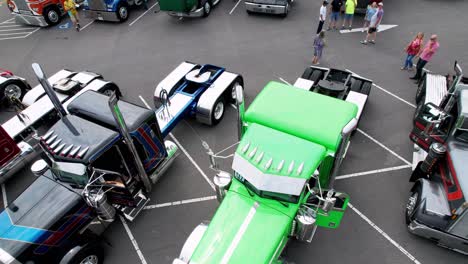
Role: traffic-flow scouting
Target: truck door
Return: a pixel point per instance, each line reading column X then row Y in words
column 431, row 124
column 8, row 147
column 150, row 145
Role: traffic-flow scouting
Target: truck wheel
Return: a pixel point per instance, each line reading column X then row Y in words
column 13, row 90
column 122, row 12
column 52, row 15
column 356, row 86
column 207, row 9
column 412, row 204
column 286, row 10
column 218, row 111
column 366, row 88
column 418, row 108
column 316, row 76
column 307, row 73
column 232, row 96
column 88, row 255
column 420, row 92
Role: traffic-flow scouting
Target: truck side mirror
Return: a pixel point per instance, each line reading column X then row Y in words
column 330, row 210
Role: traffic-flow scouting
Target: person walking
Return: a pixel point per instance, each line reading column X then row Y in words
column 370, row 11
column 413, row 49
column 335, row 13
column 428, row 52
column 323, row 16
column 350, row 7
column 374, row 25
column 70, row 7
column 319, row 43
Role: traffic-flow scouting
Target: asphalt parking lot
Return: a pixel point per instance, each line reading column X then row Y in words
column 139, row 53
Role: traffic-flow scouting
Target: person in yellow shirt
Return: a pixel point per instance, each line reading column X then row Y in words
column 70, row 7
column 350, row 7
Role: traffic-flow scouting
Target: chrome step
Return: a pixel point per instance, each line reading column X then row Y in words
column 131, row 212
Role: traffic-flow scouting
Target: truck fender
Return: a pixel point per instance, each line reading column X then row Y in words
column 192, row 242
column 73, row 252
column 222, row 87
column 434, row 208
column 172, row 81
column 37, row 92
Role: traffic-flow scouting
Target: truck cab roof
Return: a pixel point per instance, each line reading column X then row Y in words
column 310, row 116
column 94, row 107
column 92, row 139
column 31, row 220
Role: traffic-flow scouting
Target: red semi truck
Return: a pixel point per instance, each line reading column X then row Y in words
column 37, row 12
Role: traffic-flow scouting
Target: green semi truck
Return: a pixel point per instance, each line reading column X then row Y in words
column 292, row 143
column 188, row 8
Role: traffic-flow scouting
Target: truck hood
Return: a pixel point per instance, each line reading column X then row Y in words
column 242, row 229
column 42, row 216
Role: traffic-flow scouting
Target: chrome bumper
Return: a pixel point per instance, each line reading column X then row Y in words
column 196, row 13
column 30, row 20
column 26, row 155
column 443, row 239
column 267, row 9
column 101, row 15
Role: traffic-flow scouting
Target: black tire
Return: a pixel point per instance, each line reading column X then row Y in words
column 316, row 76
column 420, row 92
column 51, row 15
column 122, row 12
column 231, row 93
column 216, row 117
column 285, row 14
column 356, row 86
column 307, row 73
column 207, row 6
column 14, row 87
column 418, row 108
column 248, row 12
column 91, row 251
column 412, row 204
column 366, row 88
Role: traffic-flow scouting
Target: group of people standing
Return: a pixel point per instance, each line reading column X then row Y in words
column 416, row 48
column 374, row 15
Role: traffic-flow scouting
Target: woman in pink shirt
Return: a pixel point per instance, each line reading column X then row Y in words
column 412, row 50
column 426, row 55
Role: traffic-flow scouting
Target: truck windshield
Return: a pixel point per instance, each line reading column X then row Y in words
column 265, row 194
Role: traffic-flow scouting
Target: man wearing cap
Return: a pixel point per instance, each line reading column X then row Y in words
column 426, row 55
column 323, row 16
column 374, row 25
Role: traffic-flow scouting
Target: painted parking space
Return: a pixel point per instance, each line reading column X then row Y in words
column 10, row 30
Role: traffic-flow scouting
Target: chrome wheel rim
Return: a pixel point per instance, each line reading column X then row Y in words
column 53, row 16
column 219, row 110
column 123, row 12
column 12, row 90
column 411, row 205
column 91, row 259
column 207, row 8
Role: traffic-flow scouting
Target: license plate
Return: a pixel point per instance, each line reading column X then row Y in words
column 261, row 10
column 25, row 12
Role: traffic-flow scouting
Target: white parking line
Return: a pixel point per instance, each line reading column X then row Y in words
column 15, row 33
column 8, row 21
column 188, row 201
column 385, row 235
column 234, row 8
column 32, row 32
column 193, row 161
column 16, row 29
column 283, row 80
column 87, row 25
column 357, row 174
column 4, row 196
column 144, row 13
column 5, row 26
column 384, row 147
column 132, row 239
column 388, row 92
